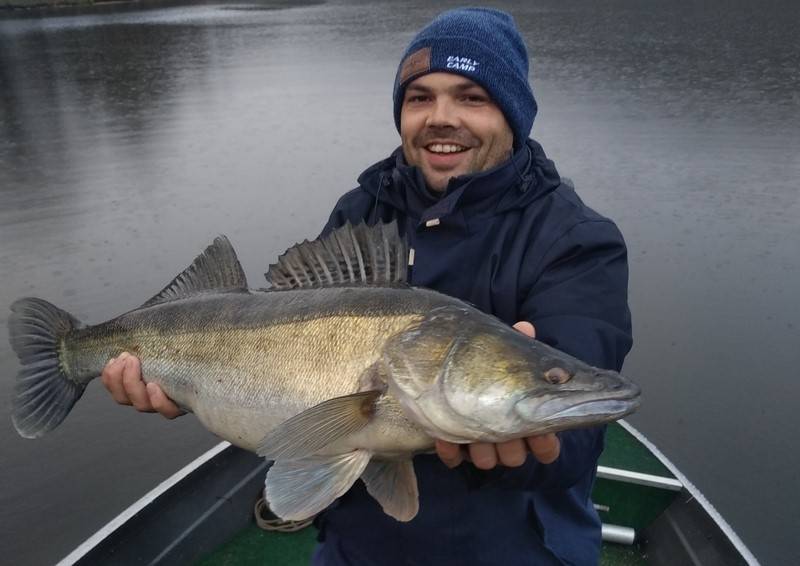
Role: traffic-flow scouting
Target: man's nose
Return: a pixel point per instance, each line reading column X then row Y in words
column 443, row 113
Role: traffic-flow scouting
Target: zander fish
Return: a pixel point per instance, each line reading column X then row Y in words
column 338, row 370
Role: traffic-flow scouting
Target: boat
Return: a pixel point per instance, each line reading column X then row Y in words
column 204, row 515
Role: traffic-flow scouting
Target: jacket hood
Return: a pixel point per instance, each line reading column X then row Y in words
column 527, row 176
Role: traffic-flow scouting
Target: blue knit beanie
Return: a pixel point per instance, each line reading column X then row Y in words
column 482, row 45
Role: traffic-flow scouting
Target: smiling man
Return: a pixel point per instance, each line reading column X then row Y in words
column 489, row 221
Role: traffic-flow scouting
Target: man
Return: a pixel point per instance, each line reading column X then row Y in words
column 489, row 221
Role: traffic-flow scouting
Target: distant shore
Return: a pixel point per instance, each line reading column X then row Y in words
column 22, row 5
column 27, row 4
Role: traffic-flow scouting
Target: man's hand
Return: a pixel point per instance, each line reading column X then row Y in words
column 122, row 376
column 484, row 455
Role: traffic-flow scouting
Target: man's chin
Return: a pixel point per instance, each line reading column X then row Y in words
column 437, row 180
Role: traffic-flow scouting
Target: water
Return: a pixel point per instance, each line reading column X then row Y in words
column 131, row 135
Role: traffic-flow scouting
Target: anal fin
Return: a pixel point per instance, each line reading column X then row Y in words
column 299, row 489
column 394, row 485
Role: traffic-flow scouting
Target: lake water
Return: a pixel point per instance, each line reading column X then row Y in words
column 131, row 135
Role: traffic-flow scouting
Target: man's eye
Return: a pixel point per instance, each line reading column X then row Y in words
column 474, row 98
column 417, row 98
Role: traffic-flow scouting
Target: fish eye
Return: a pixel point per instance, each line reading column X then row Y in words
column 557, row 376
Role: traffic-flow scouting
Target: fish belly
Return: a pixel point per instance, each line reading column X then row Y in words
column 243, row 382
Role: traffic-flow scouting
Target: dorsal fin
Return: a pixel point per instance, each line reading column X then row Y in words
column 350, row 255
column 216, row 269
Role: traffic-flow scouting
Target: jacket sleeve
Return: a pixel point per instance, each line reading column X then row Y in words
column 577, row 299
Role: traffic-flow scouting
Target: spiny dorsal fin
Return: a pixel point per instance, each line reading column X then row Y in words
column 216, row 269
column 350, row 255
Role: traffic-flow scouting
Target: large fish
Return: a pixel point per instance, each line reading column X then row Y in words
column 339, row 370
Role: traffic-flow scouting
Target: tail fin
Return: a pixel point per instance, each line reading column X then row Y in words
column 43, row 393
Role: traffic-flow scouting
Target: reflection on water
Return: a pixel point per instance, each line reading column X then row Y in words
column 131, row 135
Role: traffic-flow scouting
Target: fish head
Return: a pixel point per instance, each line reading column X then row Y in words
column 566, row 393
column 465, row 376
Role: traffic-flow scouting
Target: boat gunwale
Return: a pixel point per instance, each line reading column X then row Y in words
column 132, row 510
column 695, row 492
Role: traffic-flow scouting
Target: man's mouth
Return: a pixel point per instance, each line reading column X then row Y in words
column 443, row 148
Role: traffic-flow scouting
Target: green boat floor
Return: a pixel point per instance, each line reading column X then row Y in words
column 254, row 546
column 621, row 555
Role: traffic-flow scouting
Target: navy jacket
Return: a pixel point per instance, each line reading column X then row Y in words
column 517, row 242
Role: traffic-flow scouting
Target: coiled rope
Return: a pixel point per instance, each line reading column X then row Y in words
column 274, row 523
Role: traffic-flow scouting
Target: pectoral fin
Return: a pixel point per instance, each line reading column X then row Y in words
column 313, row 429
column 299, row 489
column 394, row 485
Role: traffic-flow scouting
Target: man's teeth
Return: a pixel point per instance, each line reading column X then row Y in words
column 445, row 148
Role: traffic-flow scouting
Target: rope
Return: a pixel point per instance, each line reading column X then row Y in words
column 277, row 524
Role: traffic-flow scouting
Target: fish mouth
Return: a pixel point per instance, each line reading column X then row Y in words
column 571, row 411
column 602, row 408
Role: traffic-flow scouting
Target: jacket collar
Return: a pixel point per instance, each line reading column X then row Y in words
column 527, row 175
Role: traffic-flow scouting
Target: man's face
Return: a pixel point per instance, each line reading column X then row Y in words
column 450, row 127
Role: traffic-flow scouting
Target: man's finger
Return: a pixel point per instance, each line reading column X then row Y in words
column 161, row 403
column 512, row 453
column 449, row 453
column 134, row 386
column 112, row 379
column 483, row 455
column 104, row 377
column 526, row 328
column 545, row 448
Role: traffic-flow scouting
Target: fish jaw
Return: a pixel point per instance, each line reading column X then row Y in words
column 570, row 409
